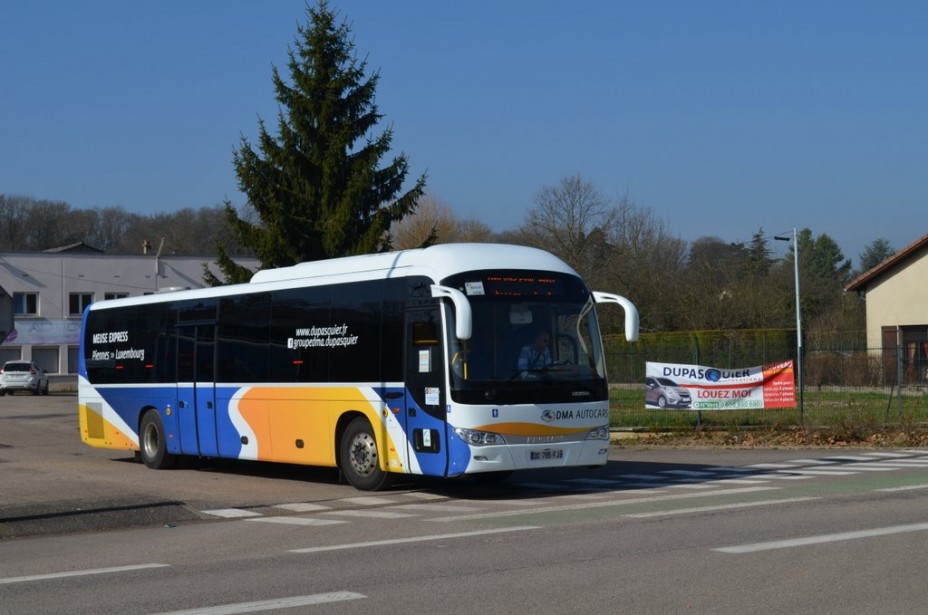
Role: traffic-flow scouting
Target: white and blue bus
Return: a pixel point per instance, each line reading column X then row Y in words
column 379, row 365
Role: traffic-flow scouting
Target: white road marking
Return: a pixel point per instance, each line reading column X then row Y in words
column 819, row 472
column 303, row 507
column 887, row 454
column 231, row 513
column 399, row 541
column 783, row 476
column 698, row 509
column 906, row 488
column 814, row 540
column 772, row 466
column 371, row 514
column 270, row 605
column 874, row 466
column 368, row 501
column 79, row 573
column 586, row 505
column 435, row 507
column 849, row 458
column 740, row 481
column 296, row 520
column 421, row 495
column 640, row 484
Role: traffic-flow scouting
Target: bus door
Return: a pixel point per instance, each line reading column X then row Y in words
column 196, row 393
column 425, row 419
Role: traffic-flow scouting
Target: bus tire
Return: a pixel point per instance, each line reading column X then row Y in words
column 153, row 443
column 359, row 460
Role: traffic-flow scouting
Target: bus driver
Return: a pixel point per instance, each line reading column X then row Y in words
column 536, row 355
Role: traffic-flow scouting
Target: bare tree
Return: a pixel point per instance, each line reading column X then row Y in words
column 565, row 218
column 431, row 222
column 645, row 264
column 434, row 222
column 111, row 228
column 473, row 230
column 13, row 211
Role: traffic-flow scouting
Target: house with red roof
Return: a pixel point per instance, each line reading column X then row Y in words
column 896, row 295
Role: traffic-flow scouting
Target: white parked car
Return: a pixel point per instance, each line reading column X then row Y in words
column 23, row 376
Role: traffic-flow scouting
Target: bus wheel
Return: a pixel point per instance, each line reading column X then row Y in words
column 152, row 442
column 358, row 457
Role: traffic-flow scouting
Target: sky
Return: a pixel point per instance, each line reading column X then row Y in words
column 721, row 117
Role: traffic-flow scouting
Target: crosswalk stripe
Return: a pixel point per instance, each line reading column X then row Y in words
column 231, row 513
column 368, row 500
column 437, row 507
column 297, row 520
column 585, row 488
column 303, row 507
column 370, row 514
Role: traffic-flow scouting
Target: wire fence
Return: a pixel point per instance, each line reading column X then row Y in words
column 851, row 387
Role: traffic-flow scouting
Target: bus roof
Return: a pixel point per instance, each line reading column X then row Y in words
column 435, row 262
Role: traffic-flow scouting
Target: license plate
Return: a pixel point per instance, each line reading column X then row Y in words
column 548, row 453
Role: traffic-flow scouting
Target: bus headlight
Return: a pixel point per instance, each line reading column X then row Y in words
column 479, row 438
column 600, row 433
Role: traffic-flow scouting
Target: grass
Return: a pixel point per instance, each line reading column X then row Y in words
column 829, row 417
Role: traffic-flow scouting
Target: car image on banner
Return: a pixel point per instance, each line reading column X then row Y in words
column 665, row 393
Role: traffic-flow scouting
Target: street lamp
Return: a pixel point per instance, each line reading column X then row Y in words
column 798, row 312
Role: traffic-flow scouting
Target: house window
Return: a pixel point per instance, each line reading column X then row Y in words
column 77, row 302
column 26, row 304
column 109, row 296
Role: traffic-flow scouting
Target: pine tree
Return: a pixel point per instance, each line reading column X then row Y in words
column 316, row 187
column 875, row 253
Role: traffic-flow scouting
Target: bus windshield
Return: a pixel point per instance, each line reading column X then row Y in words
column 535, row 338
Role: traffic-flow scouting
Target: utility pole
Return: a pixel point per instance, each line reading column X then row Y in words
column 795, row 240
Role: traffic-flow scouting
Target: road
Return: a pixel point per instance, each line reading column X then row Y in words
column 655, row 531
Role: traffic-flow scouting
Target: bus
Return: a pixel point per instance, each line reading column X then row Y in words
column 378, row 365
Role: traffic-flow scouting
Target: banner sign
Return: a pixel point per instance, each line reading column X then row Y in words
column 696, row 387
column 44, row 332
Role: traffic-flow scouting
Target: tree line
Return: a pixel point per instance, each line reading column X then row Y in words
column 614, row 244
column 34, row 225
column 317, row 188
column 705, row 284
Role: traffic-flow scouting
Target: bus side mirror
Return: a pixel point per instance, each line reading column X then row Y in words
column 631, row 312
column 463, row 319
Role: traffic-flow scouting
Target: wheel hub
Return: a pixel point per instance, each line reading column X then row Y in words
column 363, row 454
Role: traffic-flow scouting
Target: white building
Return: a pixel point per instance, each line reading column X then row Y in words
column 49, row 291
